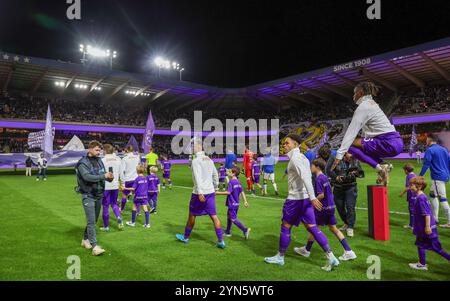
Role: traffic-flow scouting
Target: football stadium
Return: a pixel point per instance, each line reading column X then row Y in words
column 111, row 174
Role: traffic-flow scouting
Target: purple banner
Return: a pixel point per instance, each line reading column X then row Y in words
column 120, row 129
column 421, row 119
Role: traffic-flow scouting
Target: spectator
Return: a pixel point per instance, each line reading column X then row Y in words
column 28, row 165
column 343, row 179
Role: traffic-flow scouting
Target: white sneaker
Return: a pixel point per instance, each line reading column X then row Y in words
column 228, row 235
column 277, row 259
column 384, row 173
column 104, row 229
column 146, row 226
column 418, row 266
column 86, row 244
column 247, row 234
column 45, row 179
column 348, row 255
column 332, row 262
column 350, row 232
column 302, row 251
column 97, row 250
column 37, row 180
column 343, row 228
column 130, row 224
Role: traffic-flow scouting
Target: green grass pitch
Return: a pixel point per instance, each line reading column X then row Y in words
column 42, row 224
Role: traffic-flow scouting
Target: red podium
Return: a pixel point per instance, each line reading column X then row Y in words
column 377, row 201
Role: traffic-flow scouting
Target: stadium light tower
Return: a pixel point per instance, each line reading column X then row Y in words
column 181, row 70
column 178, row 68
column 162, row 63
column 111, row 56
column 97, row 53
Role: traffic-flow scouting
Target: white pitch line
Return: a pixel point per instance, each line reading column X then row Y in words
column 280, row 199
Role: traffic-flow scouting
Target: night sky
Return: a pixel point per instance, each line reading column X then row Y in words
column 222, row 43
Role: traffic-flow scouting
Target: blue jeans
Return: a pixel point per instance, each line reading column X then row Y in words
column 345, row 201
column 92, row 206
column 43, row 172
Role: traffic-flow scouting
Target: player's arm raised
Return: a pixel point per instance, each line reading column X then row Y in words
column 358, row 121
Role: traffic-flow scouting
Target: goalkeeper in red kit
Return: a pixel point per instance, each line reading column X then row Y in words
column 248, row 155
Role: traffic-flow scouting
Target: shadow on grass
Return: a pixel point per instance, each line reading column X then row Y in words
column 263, row 246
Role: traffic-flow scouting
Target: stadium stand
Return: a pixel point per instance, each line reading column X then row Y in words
column 414, row 80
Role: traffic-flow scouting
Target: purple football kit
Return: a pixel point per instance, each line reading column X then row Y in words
column 222, row 174
column 153, row 182
column 256, row 172
column 166, row 169
column 421, row 209
column 140, row 186
column 232, row 202
column 326, row 216
column 411, row 198
column 110, row 199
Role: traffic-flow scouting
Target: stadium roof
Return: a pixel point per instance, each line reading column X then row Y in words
column 418, row 66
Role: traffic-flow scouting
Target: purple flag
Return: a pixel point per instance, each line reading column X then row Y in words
column 413, row 142
column 148, row 135
column 48, row 137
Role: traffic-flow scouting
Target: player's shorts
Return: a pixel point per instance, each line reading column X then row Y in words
column 198, row 208
column 152, row 196
column 166, row 175
column 256, row 179
column 382, row 146
column 432, row 244
column 110, row 197
column 298, row 211
column 140, row 200
column 232, row 213
column 128, row 184
column 222, row 180
column 437, row 189
column 325, row 217
column 269, row 176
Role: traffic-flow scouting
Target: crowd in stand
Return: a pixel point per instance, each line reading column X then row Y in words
column 429, row 99
column 136, row 115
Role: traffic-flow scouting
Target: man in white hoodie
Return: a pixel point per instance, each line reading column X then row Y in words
column 298, row 207
column 128, row 172
column 381, row 140
column 112, row 164
column 203, row 198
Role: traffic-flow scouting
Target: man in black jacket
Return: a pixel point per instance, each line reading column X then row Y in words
column 345, row 190
column 91, row 176
column 28, row 164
